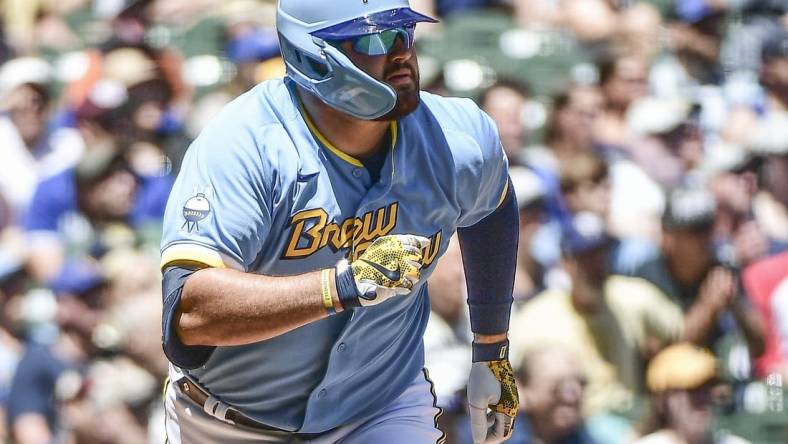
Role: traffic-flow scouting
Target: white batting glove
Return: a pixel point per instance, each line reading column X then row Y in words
column 492, row 398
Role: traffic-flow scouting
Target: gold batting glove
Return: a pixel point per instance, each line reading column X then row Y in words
column 389, row 267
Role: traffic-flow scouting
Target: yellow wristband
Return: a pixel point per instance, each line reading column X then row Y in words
column 325, row 290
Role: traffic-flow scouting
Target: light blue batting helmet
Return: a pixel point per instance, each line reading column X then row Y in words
column 304, row 27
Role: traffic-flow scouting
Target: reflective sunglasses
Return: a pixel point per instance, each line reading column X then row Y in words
column 380, row 43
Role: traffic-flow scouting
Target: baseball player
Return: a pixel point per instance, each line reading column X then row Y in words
column 301, row 232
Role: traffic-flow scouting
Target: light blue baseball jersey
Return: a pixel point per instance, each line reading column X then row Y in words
column 262, row 191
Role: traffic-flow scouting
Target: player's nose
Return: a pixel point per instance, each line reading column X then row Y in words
column 401, row 51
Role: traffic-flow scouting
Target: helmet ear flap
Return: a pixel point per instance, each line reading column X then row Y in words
column 337, row 81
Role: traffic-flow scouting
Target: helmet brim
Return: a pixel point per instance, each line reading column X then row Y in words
column 373, row 23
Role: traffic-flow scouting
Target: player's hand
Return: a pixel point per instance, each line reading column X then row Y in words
column 390, row 266
column 491, row 386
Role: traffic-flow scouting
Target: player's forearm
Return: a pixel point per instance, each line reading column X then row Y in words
column 489, row 253
column 223, row 307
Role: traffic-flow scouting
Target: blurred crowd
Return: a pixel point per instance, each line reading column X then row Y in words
column 651, row 296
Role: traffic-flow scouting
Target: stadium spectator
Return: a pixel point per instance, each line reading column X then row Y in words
column 688, row 272
column 766, row 287
column 683, row 381
column 71, row 211
column 505, row 102
column 623, row 80
column 610, row 323
column 571, row 128
column 32, row 413
column 774, row 57
column 551, row 385
column 32, row 151
column 668, row 143
column 10, row 348
column 639, row 31
column 738, row 237
column 585, row 185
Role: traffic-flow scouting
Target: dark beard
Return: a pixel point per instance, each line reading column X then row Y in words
column 407, row 102
column 407, row 99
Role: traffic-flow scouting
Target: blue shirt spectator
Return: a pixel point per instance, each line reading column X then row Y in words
column 71, row 211
column 56, row 198
column 33, row 385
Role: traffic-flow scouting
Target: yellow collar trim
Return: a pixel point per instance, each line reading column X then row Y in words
column 344, row 156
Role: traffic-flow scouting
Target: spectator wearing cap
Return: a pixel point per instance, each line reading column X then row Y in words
column 249, row 47
column 669, row 142
column 687, row 271
column 32, row 151
column 683, row 381
column 72, row 210
column 608, row 322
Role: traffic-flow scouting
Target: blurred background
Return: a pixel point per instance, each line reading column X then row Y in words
column 648, row 144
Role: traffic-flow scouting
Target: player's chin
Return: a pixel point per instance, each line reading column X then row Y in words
column 408, row 100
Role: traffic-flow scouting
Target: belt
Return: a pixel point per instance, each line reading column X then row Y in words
column 200, row 397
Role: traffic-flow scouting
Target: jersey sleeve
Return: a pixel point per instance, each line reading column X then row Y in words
column 218, row 213
column 483, row 173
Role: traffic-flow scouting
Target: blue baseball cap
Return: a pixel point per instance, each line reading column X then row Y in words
column 77, row 278
column 373, row 23
column 585, row 232
column 693, row 11
column 254, row 46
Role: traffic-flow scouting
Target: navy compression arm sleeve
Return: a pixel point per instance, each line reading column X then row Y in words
column 489, row 254
column 183, row 356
